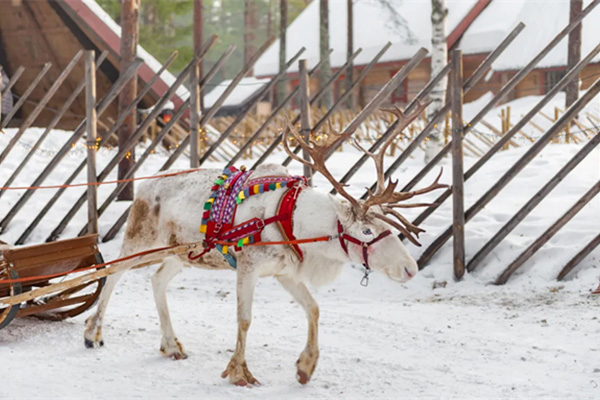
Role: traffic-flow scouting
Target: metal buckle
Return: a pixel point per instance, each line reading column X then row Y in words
column 365, row 279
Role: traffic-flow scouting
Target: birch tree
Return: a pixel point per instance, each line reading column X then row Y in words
column 439, row 58
column 325, row 70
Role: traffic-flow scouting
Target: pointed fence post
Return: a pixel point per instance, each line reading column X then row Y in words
column 305, row 115
column 458, row 201
column 91, row 121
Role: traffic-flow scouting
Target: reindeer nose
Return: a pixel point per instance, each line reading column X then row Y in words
column 408, row 272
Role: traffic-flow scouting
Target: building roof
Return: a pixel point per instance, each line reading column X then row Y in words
column 374, row 26
column 246, row 89
column 543, row 20
column 479, row 26
column 35, row 32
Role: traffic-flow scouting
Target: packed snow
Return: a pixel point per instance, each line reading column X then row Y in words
column 429, row 338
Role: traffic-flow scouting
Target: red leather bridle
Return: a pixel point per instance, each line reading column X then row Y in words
column 364, row 245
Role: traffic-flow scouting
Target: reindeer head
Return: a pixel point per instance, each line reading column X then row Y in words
column 366, row 224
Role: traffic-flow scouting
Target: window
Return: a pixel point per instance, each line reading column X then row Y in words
column 551, row 78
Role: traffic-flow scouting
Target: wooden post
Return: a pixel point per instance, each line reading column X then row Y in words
column 129, row 40
column 458, row 206
column 305, row 120
column 349, row 51
column 579, row 257
column 283, row 21
column 325, row 71
column 574, row 52
column 195, row 95
column 91, row 121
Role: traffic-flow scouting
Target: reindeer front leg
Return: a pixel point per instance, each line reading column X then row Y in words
column 237, row 369
column 307, row 362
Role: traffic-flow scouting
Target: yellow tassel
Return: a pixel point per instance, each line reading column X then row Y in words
column 211, row 200
column 202, row 228
column 225, row 249
column 246, row 240
column 255, row 189
column 241, row 195
column 278, row 185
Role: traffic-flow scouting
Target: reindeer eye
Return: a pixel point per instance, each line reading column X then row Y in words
column 367, row 231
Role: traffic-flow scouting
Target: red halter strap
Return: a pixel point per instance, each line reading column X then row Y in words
column 365, row 245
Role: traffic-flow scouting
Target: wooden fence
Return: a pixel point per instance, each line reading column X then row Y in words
column 245, row 136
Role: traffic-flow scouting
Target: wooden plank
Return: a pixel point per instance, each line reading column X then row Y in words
column 25, row 95
column 547, row 235
column 305, row 129
column 535, row 149
column 40, row 106
column 91, row 125
column 579, row 257
column 458, row 197
column 532, row 203
column 102, row 106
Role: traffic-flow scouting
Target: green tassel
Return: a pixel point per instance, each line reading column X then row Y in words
column 219, row 181
column 240, row 243
column 207, row 206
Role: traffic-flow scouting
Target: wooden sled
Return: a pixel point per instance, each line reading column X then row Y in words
column 64, row 256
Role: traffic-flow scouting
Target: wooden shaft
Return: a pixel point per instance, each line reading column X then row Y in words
column 458, row 198
column 579, row 257
column 503, row 141
column 548, row 234
column 57, row 117
column 436, row 118
column 146, row 259
column 532, row 203
column 574, row 52
column 102, row 106
column 516, row 168
column 40, row 106
column 305, row 118
column 274, row 113
column 91, row 123
column 249, row 107
column 364, row 72
column 25, row 95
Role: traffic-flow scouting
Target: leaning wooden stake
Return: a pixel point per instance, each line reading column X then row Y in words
column 579, row 257
column 532, row 203
column 91, row 123
column 458, row 198
column 25, row 95
column 548, row 234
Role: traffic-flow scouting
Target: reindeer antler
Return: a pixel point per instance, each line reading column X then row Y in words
column 318, row 152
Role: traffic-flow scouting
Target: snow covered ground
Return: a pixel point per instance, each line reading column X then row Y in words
column 534, row 337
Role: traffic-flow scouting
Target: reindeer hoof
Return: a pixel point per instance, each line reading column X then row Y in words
column 240, row 375
column 90, row 344
column 173, row 349
column 302, row 377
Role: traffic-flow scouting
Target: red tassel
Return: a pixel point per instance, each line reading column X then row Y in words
column 206, row 214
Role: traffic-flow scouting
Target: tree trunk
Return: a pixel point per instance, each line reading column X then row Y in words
column 283, row 11
column 325, row 70
column 249, row 30
column 574, row 55
column 439, row 58
column 130, row 14
column 349, row 51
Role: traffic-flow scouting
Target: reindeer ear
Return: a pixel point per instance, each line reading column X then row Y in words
column 343, row 209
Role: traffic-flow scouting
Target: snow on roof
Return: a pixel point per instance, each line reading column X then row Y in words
column 373, row 28
column 543, row 19
column 152, row 62
column 247, row 88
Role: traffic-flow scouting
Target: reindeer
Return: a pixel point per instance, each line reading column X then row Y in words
column 168, row 212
